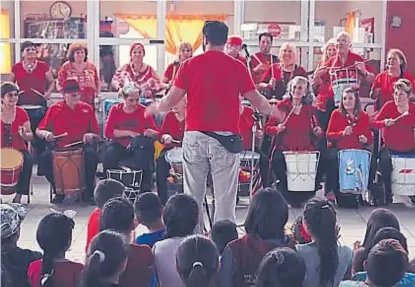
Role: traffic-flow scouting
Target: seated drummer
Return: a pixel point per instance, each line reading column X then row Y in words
column 172, row 131
column 67, row 122
column 15, row 132
column 127, row 122
column 297, row 130
column 348, row 128
column 396, row 119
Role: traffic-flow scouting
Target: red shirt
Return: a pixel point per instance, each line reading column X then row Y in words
column 136, row 121
column 34, row 80
column 212, row 94
column 171, row 70
column 298, row 133
column 265, row 59
column 139, row 270
column 339, row 121
column 246, row 121
column 60, row 119
column 17, row 142
column 172, row 126
column 93, row 226
column 385, row 83
column 87, row 78
column 399, row 136
column 242, row 59
column 126, row 73
column 65, row 274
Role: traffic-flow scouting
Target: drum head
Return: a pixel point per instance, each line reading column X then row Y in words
column 174, row 155
column 31, row 107
column 249, row 155
column 11, row 158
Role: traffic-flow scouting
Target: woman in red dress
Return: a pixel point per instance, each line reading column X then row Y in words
column 348, row 128
column 277, row 76
column 185, row 52
column 79, row 68
column 139, row 73
column 396, row 119
column 15, row 132
column 298, row 130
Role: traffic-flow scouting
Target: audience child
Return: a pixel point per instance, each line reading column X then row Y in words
column 265, row 230
column 14, row 260
column 181, row 215
column 385, row 266
column 197, row 261
column 300, row 235
column 104, row 191
column 379, row 218
column 281, row 267
column 54, row 236
column 327, row 262
column 148, row 211
column 118, row 215
column 222, row 233
column 107, row 258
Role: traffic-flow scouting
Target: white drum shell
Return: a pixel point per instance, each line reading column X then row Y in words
column 403, row 176
column 301, row 170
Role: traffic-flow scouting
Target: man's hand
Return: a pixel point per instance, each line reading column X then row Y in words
column 167, row 139
column 150, row 133
column 49, row 137
column 152, row 109
column 89, row 138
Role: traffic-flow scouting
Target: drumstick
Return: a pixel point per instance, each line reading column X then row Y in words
column 37, row 92
column 256, row 58
column 61, row 135
column 21, row 92
column 176, row 142
column 289, row 115
column 345, row 68
column 401, row 116
column 74, row 144
column 272, row 69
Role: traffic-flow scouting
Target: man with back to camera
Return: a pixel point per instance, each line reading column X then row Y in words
column 213, row 82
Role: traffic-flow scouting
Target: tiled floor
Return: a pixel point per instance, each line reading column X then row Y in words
column 353, row 222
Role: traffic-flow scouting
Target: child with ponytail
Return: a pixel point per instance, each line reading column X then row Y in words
column 54, row 236
column 327, row 261
column 107, row 258
column 197, row 261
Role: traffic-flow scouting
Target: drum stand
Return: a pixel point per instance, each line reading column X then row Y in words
column 257, row 119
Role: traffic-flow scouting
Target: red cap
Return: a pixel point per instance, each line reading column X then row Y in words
column 70, row 86
column 135, row 45
column 235, row 40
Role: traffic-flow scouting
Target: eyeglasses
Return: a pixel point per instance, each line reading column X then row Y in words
column 13, row 94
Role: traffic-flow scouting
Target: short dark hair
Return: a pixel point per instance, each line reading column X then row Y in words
column 216, row 32
column 387, row 263
column 8, row 87
column 107, row 189
column 181, row 215
column 27, row 44
column 223, row 232
column 148, row 208
column 265, row 34
column 118, row 215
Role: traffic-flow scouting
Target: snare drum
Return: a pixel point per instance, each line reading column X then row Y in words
column 175, row 158
column 108, row 104
column 354, row 171
column 130, row 178
column 69, row 171
column 342, row 79
column 11, row 167
column 403, row 175
column 301, row 170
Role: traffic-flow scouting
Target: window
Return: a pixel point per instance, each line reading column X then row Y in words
column 7, row 20
column 8, row 60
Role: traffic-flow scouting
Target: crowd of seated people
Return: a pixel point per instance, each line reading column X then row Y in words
column 269, row 253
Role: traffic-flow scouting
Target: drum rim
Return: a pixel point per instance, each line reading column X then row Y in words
column 31, row 106
column 73, row 151
column 21, row 159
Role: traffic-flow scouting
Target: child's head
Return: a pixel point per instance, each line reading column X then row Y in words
column 107, row 189
column 12, row 216
column 118, row 215
column 148, row 209
column 281, row 267
column 267, row 203
column 54, row 236
column 197, row 261
column 321, row 223
column 379, row 218
column 299, row 231
column 223, row 232
column 181, row 215
column 387, row 263
column 106, row 258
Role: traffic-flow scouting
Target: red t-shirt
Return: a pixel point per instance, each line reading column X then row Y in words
column 136, row 121
column 246, row 121
column 265, row 59
column 399, row 136
column 242, row 59
column 17, row 142
column 385, row 83
column 298, row 135
column 66, row 274
column 140, row 267
column 88, row 79
column 213, row 82
column 60, row 119
column 34, row 80
column 93, row 226
column 339, row 121
column 172, row 126
column 171, row 70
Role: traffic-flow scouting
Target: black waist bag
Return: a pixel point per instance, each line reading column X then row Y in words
column 232, row 143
